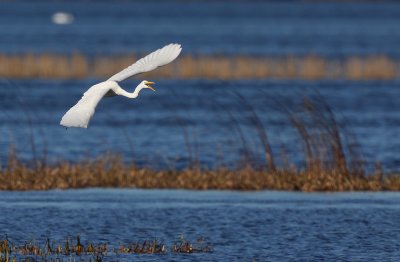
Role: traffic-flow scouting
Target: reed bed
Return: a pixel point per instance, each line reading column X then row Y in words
column 309, row 67
column 332, row 160
column 33, row 250
column 111, row 172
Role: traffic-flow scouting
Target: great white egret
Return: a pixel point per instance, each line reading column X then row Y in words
column 81, row 113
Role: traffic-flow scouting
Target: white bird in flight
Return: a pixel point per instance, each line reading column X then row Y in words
column 81, row 113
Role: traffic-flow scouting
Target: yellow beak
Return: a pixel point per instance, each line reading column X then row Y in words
column 148, row 84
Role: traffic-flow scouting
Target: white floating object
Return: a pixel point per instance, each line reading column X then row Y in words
column 62, row 18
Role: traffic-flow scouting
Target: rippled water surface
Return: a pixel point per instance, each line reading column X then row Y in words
column 232, row 27
column 241, row 226
column 198, row 119
column 192, row 119
column 195, row 119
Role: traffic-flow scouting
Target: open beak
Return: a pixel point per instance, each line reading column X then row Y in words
column 148, row 84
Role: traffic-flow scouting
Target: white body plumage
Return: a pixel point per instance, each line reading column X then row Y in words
column 81, row 113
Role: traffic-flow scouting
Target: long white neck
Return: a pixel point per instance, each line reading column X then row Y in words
column 134, row 94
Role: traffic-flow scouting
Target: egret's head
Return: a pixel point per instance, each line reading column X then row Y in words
column 147, row 84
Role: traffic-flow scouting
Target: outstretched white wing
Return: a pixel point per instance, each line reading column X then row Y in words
column 160, row 57
column 80, row 114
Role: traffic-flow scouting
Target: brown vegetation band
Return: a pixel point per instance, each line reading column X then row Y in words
column 310, row 67
column 332, row 162
column 111, row 172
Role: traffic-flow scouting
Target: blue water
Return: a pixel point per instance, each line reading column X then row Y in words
column 192, row 120
column 229, row 27
column 240, row 226
column 187, row 120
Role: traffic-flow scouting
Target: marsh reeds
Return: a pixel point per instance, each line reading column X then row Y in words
column 184, row 246
column 322, row 138
column 332, row 161
column 33, row 250
column 308, row 67
column 261, row 131
column 109, row 171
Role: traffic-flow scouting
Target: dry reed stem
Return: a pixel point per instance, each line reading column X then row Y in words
column 310, row 67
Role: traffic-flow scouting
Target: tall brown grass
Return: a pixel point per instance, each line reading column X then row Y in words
column 331, row 161
column 110, row 171
column 310, row 67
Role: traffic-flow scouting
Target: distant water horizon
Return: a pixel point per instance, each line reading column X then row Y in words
column 332, row 29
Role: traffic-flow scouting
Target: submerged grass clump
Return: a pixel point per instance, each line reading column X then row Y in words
column 145, row 247
column 49, row 251
column 184, row 246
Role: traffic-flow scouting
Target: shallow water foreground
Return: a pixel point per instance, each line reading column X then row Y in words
column 242, row 226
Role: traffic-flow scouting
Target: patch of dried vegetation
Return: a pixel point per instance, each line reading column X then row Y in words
column 109, row 171
column 309, row 67
column 332, row 162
